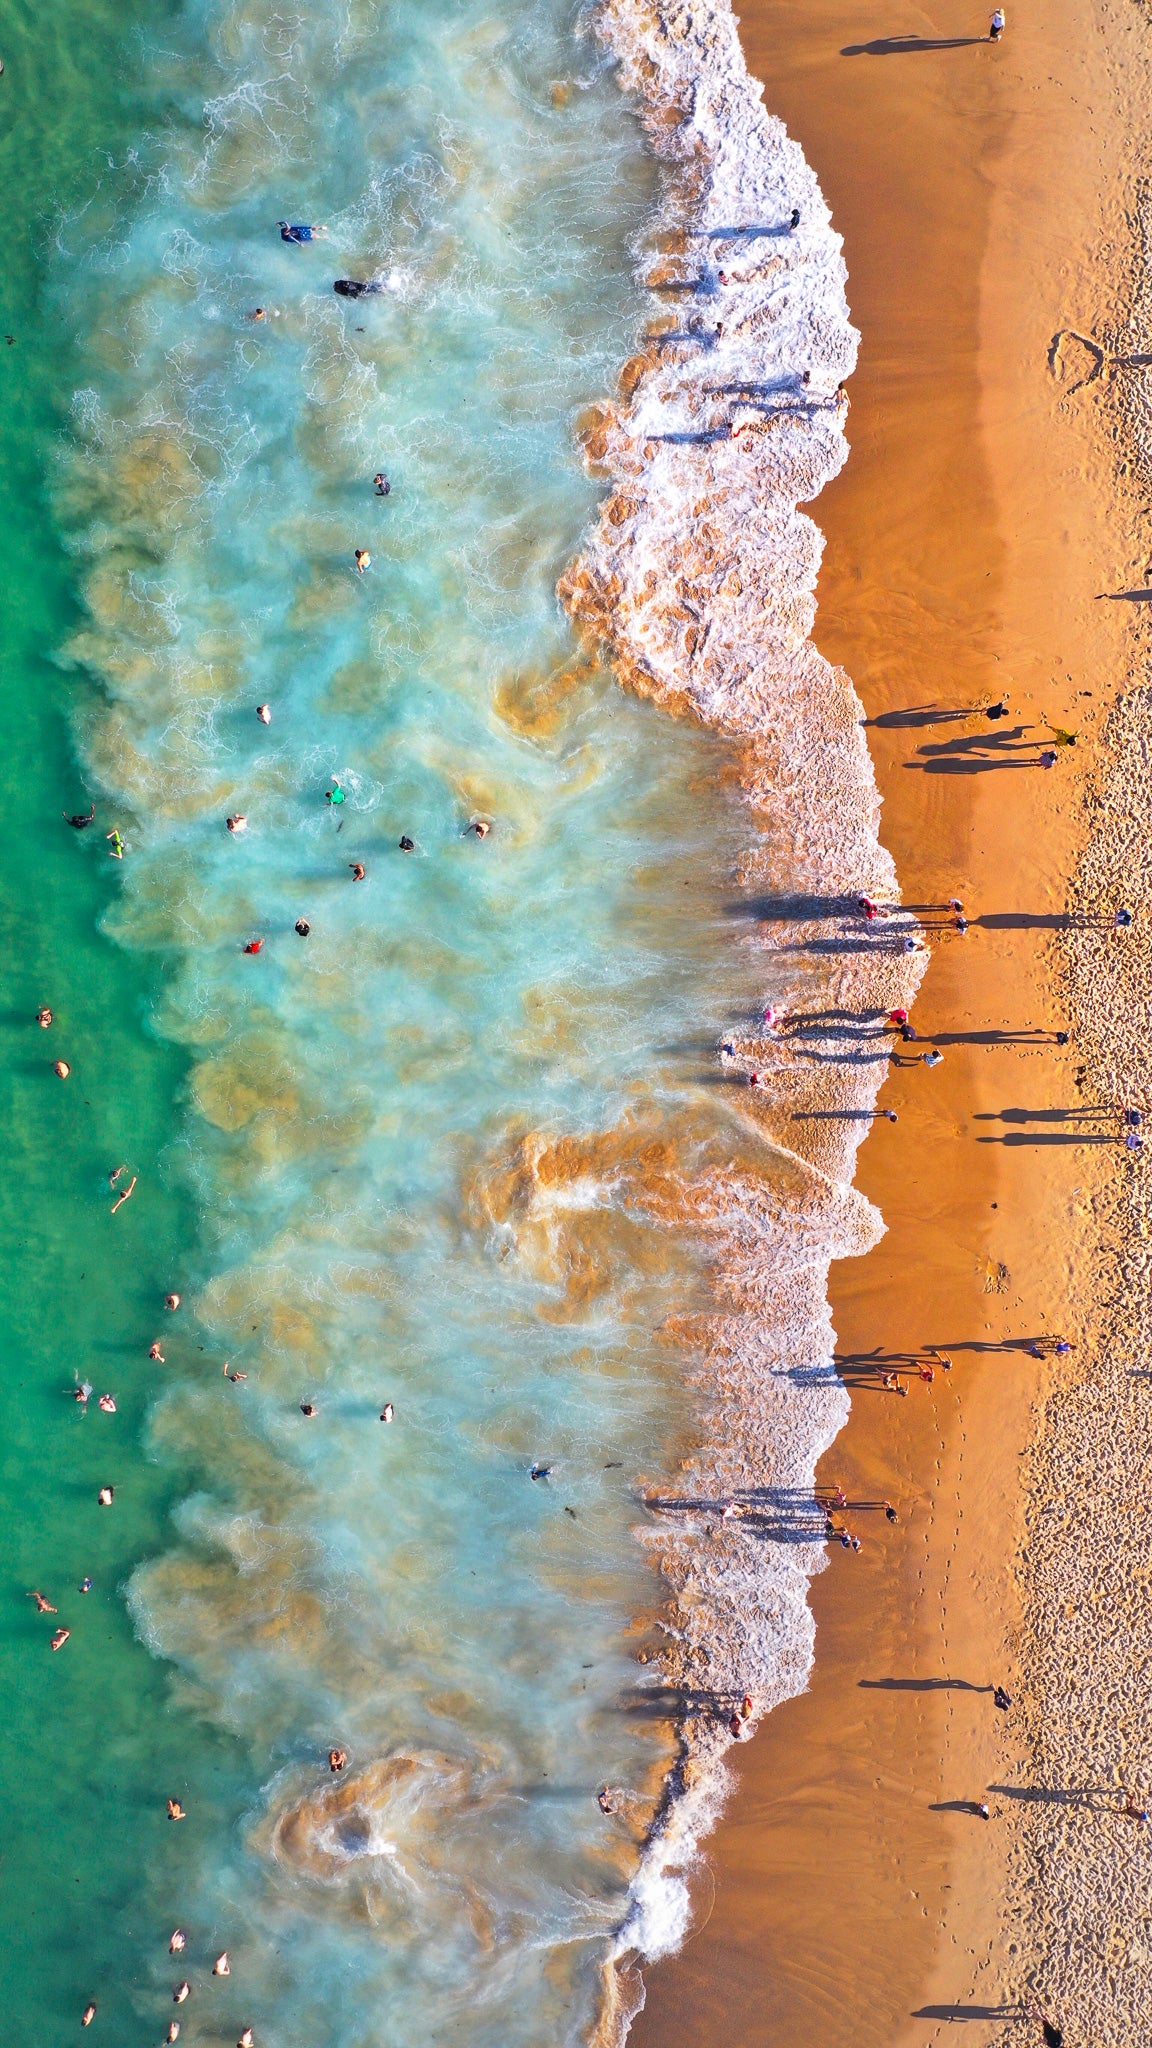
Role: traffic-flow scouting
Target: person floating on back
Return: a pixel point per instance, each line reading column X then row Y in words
column 299, row 231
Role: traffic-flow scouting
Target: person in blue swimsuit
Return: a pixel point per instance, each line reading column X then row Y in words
column 299, row 231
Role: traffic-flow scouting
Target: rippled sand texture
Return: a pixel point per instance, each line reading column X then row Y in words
column 699, row 580
column 1079, row 1891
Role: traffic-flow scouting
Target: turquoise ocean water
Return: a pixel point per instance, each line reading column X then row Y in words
column 396, row 1160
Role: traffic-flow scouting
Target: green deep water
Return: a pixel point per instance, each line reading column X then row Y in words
column 396, row 1160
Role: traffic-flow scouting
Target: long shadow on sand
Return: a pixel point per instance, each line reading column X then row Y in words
column 969, row 2012
column 897, row 46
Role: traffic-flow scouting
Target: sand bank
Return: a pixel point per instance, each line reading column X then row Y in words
column 981, row 194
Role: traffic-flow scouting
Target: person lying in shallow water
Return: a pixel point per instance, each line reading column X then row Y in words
column 299, row 231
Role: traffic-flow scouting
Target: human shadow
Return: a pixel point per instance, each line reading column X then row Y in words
column 1097, row 1798
column 987, row 1346
column 923, row 714
column 1040, row 921
column 794, row 909
column 970, row 2012
column 1029, row 1036
column 921, row 1685
column 898, row 46
column 775, row 1514
column 1052, row 1138
column 733, row 234
column 1041, row 1116
column 980, row 753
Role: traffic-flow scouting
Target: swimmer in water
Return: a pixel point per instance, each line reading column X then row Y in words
column 175, row 1810
column 337, row 1758
column 358, row 870
column 381, row 483
column 79, row 819
column 264, row 713
column 106, row 1404
column 105, row 1496
column 88, row 2015
column 254, row 946
column 222, row 1967
column 302, row 927
column 177, row 1941
column 480, row 827
column 238, row 823
column 85, row 1586
column 155, row 1352
column 43, row 1606
column 125, row 1196
column 407, row 845
column 44, row 1018
column 60, row 1638
column 387, row 1412
column 335, row 795
column 308, row 1408
column 181, row 1992
column 363, row 561
column 115, row 844
column 173, row 2033
column 82, row 1393
column 300, row 231
column 171, row 1301
column 61, row 1069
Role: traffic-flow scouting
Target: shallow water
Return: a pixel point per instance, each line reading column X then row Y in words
column 432, row 1149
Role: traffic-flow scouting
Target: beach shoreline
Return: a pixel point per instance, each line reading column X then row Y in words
column 978, row 518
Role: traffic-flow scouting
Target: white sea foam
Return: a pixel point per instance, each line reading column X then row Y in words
column 699, row 579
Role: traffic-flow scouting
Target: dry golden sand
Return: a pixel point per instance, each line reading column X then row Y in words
column 988, row 200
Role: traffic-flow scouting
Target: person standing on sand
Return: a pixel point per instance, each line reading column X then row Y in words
column 996, row 26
